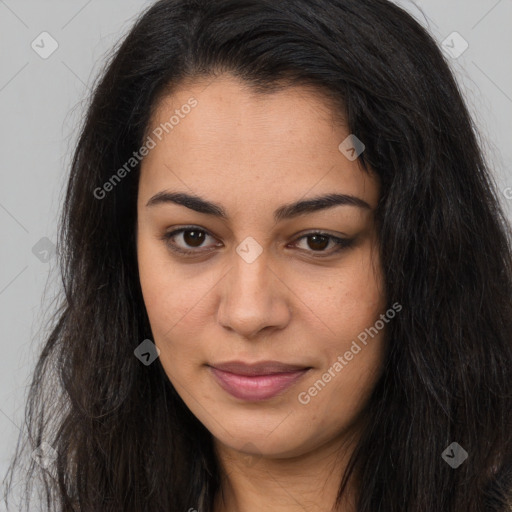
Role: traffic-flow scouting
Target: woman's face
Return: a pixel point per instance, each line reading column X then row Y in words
column 259, row 286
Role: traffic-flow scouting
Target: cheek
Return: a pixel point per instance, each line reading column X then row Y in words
column 154, row 279
column 353, row 356
column 165, row 289
column 361, row 295
column 354, row 348
column 159, row 283
column 333, row 404
column 175, row 303
column 347, row 301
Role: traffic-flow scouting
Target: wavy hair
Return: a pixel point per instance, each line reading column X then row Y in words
column 124, row 440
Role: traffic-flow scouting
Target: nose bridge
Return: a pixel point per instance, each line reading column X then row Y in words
column 250, row 298
column 250, row 270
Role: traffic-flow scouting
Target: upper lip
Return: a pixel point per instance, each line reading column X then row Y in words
column 261, row 368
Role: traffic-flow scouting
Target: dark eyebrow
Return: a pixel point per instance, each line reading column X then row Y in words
column 287, row 211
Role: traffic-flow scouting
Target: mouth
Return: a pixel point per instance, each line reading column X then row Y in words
column 258, row 381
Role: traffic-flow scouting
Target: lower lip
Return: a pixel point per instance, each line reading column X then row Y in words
column 260, row 387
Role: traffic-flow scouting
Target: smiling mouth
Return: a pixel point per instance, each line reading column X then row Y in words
column 259, row 381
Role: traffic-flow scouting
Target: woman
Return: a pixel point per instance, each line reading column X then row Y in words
column 287, row 277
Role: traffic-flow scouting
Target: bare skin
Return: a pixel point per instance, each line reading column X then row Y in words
column 301, row 300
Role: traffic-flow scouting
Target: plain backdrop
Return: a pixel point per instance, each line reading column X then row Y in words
column 42, row 100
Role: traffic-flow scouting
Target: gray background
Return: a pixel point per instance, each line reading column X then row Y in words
column 42, row 102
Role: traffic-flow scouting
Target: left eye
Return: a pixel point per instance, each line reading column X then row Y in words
column 320, row 241
column 192, row 238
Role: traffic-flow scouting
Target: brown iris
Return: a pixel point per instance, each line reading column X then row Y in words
column 193, row 238
column 319, row 242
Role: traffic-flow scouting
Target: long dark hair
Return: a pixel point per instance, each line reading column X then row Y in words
column 123, row 438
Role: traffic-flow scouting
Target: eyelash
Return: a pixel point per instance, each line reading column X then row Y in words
column 341, row 243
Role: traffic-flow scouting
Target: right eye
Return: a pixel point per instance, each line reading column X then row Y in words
column 184, row 240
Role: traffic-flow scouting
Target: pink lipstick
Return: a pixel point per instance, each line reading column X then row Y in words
column 256, row 382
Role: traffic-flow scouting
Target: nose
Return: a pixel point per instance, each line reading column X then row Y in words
column 254, row 297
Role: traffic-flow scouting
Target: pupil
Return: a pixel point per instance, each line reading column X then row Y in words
column 317, row 242
column 193, row 238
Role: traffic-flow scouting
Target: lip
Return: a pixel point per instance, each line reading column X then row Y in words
column 257, row 381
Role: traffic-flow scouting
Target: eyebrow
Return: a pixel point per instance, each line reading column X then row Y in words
column 287, row 211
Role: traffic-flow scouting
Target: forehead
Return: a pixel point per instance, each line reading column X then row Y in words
column 249, row 145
